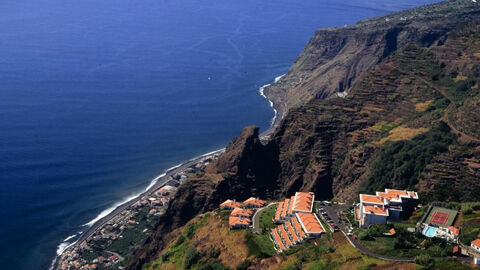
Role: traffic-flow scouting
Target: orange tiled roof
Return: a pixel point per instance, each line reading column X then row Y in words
column 278, row 239
column 291, row 231
column 397, row 193
column 285, row 207
column 371, row 199
column 254, row 201
column 298, row 227
column 290, row 209
column 241, row 212
column 476, row 243
column 230, row 204
column 284, row 235
column 375, row 210
column 303, row 201
column 232, row 221
column 310, row 223
column 455, row 231
column 278, row 212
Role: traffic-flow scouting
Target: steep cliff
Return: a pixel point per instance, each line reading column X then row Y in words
column 335, row 58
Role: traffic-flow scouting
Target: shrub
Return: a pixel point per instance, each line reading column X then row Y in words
column 214, row 252
column 424, row 260
column 191, row 257
column 467, row 211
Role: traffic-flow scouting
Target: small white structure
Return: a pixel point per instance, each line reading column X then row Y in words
column 476, row 260
column 475, row 245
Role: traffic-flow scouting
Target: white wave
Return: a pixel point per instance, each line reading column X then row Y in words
column 70, row 237
column 107, row 211
column 262, row 89
column 279, row 77
column 61, row 248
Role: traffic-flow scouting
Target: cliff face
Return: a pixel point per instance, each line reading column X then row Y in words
column 248, row 169
column 335, row 58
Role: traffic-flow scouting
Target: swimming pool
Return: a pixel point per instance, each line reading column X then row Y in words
column 430, row 231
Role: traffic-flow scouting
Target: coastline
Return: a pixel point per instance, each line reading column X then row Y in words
column 108, row 214
column 102, row 219
column 278, row 111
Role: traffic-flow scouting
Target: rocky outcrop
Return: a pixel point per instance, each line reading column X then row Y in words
column 335, row 58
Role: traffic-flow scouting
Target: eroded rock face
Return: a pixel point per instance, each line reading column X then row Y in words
column 335, row 58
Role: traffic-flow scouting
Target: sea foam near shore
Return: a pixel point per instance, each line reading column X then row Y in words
column 262, row 89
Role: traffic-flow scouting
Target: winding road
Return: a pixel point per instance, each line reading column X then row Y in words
column 256, row 218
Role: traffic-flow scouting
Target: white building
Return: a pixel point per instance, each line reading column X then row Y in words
column 389, row 205
column 475, row 245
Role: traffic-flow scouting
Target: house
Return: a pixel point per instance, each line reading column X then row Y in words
column 240, row 212
column 302, row 202
column 229, row 204
column 165, row 190
column 475, row 245
column 253, row 202
column 476, row 260
column 310, row 223
column 392, row 204
column 453, row 233
column 238, row 222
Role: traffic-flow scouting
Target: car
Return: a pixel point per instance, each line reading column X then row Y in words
column 327, row 203
column 333, row 225
column 330, row 221
column 336, row 229
column 354, row 236
column 349, row 234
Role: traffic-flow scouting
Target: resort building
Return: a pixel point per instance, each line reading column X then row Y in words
column 240, row 218
column 229, row 205
column 391, row 204
column 302, row 202
column 475, row 245
column 239, row 222
column 297, row 222
column 253, row 202
column 240, row 212
column 310, row 223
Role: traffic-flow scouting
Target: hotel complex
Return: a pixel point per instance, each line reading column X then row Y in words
column 240, row 217
column 389, row 205
column 297, row 222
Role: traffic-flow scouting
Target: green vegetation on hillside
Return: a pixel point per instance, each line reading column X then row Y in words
column 399, row 164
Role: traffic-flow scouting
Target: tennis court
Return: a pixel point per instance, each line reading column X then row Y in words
column 442, row 217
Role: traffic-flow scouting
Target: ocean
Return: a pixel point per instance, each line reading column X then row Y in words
column 97, row 98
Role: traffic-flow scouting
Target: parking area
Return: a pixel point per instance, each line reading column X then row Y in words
column 330, row 213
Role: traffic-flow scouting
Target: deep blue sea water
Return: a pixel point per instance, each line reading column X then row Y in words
column 97, row 97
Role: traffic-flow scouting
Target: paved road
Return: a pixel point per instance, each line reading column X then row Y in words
column 333, row 212
column 344, row 225
column 256, row 218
